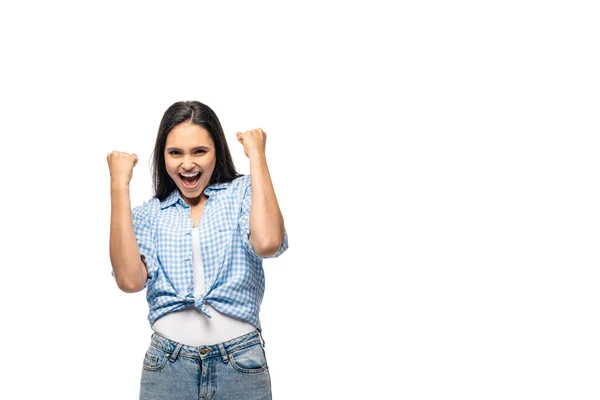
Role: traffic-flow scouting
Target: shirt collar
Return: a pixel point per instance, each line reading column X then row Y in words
column 175, row 196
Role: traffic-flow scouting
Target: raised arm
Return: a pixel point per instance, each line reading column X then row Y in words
column 129, row 270
column 266, row 220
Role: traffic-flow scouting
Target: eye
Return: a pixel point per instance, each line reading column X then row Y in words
column 175, row 152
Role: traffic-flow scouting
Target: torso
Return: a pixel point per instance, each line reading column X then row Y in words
column 190, row 326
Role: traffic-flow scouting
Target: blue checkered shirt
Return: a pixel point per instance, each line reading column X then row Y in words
column 234, row 280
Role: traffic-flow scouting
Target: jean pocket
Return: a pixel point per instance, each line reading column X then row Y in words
column 155, row 359
column 249, row 360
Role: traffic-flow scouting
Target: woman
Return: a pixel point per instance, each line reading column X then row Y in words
column 197, row 247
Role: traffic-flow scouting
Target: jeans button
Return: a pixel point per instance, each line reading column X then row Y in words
column 203, row 351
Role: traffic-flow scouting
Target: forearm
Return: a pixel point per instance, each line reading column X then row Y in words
column 266, row 220
column 128, row 268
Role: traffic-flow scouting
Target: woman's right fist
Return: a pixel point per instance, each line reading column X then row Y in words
column 121, row 166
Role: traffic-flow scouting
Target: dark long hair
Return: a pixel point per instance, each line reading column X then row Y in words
column 204, row 116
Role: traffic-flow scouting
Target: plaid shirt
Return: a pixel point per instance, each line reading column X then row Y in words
column 234, row 280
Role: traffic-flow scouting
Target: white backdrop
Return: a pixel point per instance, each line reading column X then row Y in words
column 436, row 164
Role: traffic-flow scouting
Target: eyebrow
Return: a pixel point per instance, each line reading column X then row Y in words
column 195, row 148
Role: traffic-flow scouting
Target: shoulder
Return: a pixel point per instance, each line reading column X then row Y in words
column 240, row 185
column 147, row 209
column 244, row 181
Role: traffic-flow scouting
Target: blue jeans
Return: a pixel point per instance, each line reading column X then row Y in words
column 235, row 369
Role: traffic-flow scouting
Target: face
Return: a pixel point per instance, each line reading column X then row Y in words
column 189, row 149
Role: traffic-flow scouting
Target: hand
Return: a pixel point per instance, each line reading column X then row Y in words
column 254, row 141
column 121, row 166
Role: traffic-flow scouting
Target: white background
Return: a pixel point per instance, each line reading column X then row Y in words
column 436, row 164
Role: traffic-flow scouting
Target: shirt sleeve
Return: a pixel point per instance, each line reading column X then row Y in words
column 142, row 227
column 244, row 226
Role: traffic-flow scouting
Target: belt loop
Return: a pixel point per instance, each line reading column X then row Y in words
column 223, row 353
column 261, row 337
column 175, row 352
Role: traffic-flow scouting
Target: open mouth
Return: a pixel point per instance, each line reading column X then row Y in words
column 190, row 182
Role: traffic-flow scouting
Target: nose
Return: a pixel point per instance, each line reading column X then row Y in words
column 187, row 163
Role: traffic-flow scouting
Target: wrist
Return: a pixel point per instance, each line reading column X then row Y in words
column 119, row 185
column 256, row 154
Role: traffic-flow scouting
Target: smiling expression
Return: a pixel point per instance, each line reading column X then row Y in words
column 189, row 149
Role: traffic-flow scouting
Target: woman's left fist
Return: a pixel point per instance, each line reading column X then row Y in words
column 254, row 141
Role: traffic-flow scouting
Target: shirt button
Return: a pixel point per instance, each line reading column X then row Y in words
column 187, row 258
column 191, row 287
column 188, row 231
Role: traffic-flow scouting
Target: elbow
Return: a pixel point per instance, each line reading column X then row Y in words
column 270, row 249
column 132, row 284
column 130, row 287
column 267, row 246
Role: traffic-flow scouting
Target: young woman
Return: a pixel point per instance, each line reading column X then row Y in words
column 197, row 247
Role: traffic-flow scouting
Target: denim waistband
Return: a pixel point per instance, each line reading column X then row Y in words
column 204, row 351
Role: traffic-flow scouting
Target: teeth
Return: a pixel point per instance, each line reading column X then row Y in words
column 189, row 176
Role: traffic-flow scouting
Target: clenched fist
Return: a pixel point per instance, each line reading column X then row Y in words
column 121, row 166
column 254, row 141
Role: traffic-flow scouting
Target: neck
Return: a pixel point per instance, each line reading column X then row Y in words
column 202, row 199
